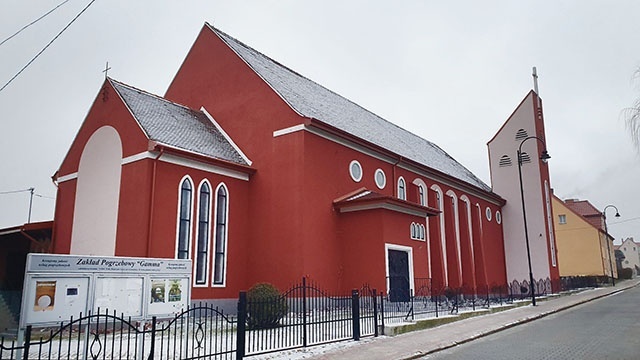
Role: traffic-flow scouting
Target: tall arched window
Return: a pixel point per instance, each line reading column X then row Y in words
column 184, row 225
column 402, row 189
column 202, row 245
column 220, row 257
column 421, row 197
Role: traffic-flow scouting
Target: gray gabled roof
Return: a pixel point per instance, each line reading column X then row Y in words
column 175, row 125
column 312, row 100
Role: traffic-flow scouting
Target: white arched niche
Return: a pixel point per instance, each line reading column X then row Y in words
column 95, row 214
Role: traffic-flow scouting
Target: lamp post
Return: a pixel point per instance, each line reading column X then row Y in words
column 606, row 234
column 544, row 157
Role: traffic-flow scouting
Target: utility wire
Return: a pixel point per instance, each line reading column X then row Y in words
column 33, row 22
column 14, row 191
column 26, row 190
column 45, row 48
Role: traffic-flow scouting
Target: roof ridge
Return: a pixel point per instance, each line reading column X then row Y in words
column 225, row 35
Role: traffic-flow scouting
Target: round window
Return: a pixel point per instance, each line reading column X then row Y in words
column 355, row 170
column 381, row 179
column 488, row 213
column 498, row 217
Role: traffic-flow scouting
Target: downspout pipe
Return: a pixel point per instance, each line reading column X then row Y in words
column 152, row 200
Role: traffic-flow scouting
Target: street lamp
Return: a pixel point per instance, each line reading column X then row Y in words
column 606, row 234
column 544, row 157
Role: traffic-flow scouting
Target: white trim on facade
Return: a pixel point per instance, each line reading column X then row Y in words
column 552, row 241
column 407, row 249
column 390, row 160
column 177, row 160
column 289, row 130
column 456, row 225
column 467, row 202
column 443, row 238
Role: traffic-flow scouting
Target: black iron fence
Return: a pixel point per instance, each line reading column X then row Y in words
column 197, row 332
column 302, row 316
column 305, row 315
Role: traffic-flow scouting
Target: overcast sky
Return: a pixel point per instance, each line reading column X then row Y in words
column 451, row 72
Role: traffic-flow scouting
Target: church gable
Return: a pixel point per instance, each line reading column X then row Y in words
column 178, row 126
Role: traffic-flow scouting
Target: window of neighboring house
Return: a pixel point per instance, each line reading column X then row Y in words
column 402, row 190
column 221, row 236
column 488, row 213
column 184, row 226
column 421, row 197
column 202, row 247
column 413, row 230
column 562, row 219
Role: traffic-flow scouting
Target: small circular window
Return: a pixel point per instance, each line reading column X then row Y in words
column 355, row 170
column 381, row 179
column 498, row 217
column 488, row 214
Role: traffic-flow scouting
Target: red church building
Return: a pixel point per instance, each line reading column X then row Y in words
column 259, row 174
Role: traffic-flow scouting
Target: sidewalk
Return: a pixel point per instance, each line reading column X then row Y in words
column 419, row 343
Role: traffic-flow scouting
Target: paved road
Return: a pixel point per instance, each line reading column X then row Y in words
column 608, row 328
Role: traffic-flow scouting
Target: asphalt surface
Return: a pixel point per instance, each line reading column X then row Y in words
column 418, row 344
column 606, row 328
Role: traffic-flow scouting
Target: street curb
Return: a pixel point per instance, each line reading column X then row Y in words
column 515, row 323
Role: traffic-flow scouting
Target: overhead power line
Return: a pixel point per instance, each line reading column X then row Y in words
column 46, row 46
column 14, row 191
column 33, row 22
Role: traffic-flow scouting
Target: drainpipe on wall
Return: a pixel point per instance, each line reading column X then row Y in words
column 152, row 200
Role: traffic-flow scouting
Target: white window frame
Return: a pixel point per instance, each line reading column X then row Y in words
column 384, row 178
column 190, row 229
column 353, row 176
column 402, row 188
column 207, row 268
column 408, row 249
column 226, row 237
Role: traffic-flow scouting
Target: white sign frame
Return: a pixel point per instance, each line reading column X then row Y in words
column 57, row 287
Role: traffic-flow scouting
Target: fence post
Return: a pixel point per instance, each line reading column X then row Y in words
column 437, row 299
column 27, row 343
column 382, row 310
column 412, row 295
column 355, row 314
column 375, row 312
column 304, row 312
column 152, row 349
column 241, row 327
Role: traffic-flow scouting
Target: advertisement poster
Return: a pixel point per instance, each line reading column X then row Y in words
column 45, row 296
column 175, row 290
column 157, row 291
